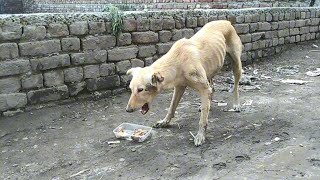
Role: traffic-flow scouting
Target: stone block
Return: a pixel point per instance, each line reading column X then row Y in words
column 124, row 39
column 108, row 82
column 89, row 57
column 180, row 22
column 48, row 94
column 107, row 69
column 168, row 23
column 79, row 28
column 122, row 53
column 247, row 46
column 283, row 33
column 8, row 51
column 14, row 67
column 292, row 24
column 145, row 37
column 242, row 28
column 202, row 21
column 177, row 34
column 294, row 31
column 240, row 19
column 165, row 36
column 257, row 36
column 245, row 38
column 73, row 74
column 53, row 78
column 304, row 30
column 10, row 85
column 163, row 48
column 97, row 27
column 125, row 80
column 271, row 34
column 91, row 71
column 51, row 62
column 283, row 24
column 32, row 81
column 148, row 61
column 264, row 26
column 76, row 88
column 10, row 31
column 147, row 51
column 57, row 30
column 300, row 23
column 39, row 48
column 191, row 22
column 275, row 41
column 268, row 17
column 137, row 63
column 123, row 66
column 274, row 25
column 156, row 24
column 34, row 33
column 315, row 21
column 129, row 25
column 143, row 24
column 98, row 42
column 187, row 33
column 12, row 101
column 253, row 27
column 70, row 44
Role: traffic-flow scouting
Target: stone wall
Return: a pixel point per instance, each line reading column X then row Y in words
column 11, row 6
column 133, row 5
column 52, row 57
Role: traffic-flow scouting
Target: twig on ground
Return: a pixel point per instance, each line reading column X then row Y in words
column 192, row 135
column 78, row 173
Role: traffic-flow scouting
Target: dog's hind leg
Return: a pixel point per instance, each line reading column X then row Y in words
column 235, row 53
column 177, row 94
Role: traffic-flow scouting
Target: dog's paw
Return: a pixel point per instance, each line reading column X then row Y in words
column 237, row 108
column 161, row 124
column 199, row 139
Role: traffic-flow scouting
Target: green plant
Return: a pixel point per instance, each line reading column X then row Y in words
column 116, row 19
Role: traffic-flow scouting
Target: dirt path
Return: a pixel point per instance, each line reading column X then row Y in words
column 276, row 137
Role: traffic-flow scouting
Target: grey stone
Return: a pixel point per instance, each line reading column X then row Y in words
column 274, row 25
column 122, row 53
column 245, row 38
column 165, row 36
column 197, row 29
column 294, row 31
column 300, row 23
column 188, row 33
column 283, row 33
column 48, row 94
column 143, row 24
column 79, row 28
column 14, row 67
column 168, row 24
column 247, row 18
column 91, row 71
column 98, row 42
column 180, row 22
column 58, row 30
column 283, row 24
column 247, row 46
column 8, row 51
column 107, row 69
column 53, row 78
column 125, row 80
column 148, row 61
column 281, row 41
column 147, row 51
column 123, row 66
column 10, row 85
column 315, row 21
column 34, row 33
column 271, row 34
column 108, row 82
column 292, row 24
column 275, row 16
column 108, row 27
column 264, row 26
column 97, row 27
column 275, row 41
column 304, row 30
column 145, row 37
column 137, row 63
column 268, row 17
column 129, row 25
column 191, row 22
column 202, row 21
column 177, row 34
column 89, row 57
column 156, row 24
column 12, row 101
column 10, row 31
column 297, row 38
column 74, row 74
column 70, row 44
column 240, row 19
column 124, row 39
column 76, row 88
column 292, row 39
column 242, row 28
column 51, row 62
column 257, row 36
column 253, row 27
column 32, row 81
column 163, row 48
column 39, row 47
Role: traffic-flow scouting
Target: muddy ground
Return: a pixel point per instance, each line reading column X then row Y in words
column 276, row 137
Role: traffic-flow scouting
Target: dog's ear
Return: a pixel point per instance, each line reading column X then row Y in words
column 156, row 78
column 133, row 70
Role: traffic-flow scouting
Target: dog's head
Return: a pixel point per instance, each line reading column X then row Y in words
column 144, row 88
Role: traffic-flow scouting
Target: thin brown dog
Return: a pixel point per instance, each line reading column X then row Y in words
column 190, row 62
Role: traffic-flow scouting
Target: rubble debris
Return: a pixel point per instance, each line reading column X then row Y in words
column 248, row 88
column 294, row 81
column 315, row 46
column 113, row 142
column 222, row 104
column 290, row 70
column 314, row 73
column 247, row 102
column 276, row 139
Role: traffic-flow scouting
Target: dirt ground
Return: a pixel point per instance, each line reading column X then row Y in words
column 275, row 137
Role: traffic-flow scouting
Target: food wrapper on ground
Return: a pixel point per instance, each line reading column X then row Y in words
column 132, row 132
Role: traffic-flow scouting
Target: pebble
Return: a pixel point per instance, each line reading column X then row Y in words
column 121, row 159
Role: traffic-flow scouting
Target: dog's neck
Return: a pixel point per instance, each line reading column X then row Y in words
column 168, row 71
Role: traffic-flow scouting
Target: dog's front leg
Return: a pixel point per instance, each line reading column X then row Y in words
column 203, row 123
column 177, row 94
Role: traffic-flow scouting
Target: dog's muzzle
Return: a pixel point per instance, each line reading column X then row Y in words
column 129, row 110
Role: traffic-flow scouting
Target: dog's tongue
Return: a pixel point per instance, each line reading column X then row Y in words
column 144, row 109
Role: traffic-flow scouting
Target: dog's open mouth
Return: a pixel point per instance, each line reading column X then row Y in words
column 144, row 109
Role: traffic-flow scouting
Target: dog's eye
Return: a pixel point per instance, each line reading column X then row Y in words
column 140, row 89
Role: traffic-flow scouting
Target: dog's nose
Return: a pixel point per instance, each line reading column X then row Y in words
column 129, row 110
